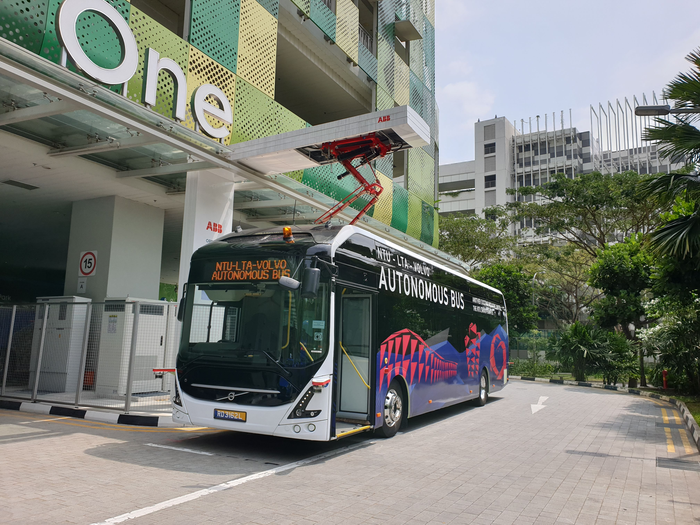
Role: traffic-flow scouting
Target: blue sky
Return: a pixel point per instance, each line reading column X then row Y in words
column 520, row 59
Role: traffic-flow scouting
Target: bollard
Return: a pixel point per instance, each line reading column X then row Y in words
column 664, row 374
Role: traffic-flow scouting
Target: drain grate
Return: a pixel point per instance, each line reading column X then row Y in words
column 670, row 425
column 678, row 464
column 584, row 453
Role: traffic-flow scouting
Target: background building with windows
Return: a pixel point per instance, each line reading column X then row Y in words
column 510, row 158
column 88, row 164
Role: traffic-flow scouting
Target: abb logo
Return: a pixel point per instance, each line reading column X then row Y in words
column 214, row 227
column 386, row 118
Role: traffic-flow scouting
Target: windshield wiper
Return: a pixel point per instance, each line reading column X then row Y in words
column 272, row 360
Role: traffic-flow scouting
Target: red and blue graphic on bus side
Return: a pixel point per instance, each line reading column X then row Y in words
column 436, row 373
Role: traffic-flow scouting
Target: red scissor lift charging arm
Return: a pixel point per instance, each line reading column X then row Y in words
column 367, row 148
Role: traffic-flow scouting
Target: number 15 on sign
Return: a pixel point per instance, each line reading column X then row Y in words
column 88, row 264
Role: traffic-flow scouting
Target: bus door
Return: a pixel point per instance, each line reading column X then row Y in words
column 354, row 350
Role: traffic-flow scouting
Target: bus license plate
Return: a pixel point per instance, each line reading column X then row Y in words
column 230, row 415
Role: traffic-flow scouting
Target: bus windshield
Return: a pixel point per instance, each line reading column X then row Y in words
column 245, row 319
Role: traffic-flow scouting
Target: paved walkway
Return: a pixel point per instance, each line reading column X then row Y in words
column 538, row 453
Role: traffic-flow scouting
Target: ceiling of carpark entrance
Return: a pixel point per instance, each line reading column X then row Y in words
column 73, row 129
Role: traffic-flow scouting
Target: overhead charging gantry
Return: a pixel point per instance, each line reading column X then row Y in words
column 353, row 142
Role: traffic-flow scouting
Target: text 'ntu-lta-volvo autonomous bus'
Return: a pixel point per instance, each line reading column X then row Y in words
column 320, row 332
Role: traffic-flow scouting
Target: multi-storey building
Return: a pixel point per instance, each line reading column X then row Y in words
column 510, row 158
column 103, row 144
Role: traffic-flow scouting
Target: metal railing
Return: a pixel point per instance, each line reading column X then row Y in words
column 366, row 39
column 90, row 354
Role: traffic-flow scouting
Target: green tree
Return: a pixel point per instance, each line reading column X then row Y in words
column 562, row 289
column 680, row 236
column 578, row 348
column 588, row 211
column 515, row 284
column 476, row 240
column 623, row 272
column 675, row 340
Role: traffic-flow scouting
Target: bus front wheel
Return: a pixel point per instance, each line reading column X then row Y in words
column 393, row 410
column 483, row 390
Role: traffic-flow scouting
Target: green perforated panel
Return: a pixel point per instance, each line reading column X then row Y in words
column 417, row 59
column 416, row 95
column 401, row 81
column 323, row 17
column 287, row 121
column 427, row 223
column 414, row 226
column 272, row 6
column 429, row 54
column 149, row 33
column 346, row 29
column 97, row 38
column 214, row 30
column 385, row 66
column 436, row 228
column 303, row 5
column 386, row 15
column 430, row 148
column 295, row 175
column 204, row 70
column 257, row 47
column 429, row 9
column 385, row 165
column 384, row 100
column 384, row 207
column 421, row 174
column 254, row 113
column 399, row 216
column 415, row 14
column 367, row 62
column 24, row 22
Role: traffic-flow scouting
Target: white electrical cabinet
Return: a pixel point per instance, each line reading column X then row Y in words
column 59, row 370
column 153, row 345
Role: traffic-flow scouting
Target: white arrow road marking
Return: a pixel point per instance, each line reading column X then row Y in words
column 539, row 406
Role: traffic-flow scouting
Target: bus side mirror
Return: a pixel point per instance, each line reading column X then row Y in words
column 310, row 283
column 289, row 283
column 181, row 306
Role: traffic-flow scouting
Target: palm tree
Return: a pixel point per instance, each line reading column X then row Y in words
column 680, row 237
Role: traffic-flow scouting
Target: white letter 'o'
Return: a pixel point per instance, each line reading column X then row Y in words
column 68, row 15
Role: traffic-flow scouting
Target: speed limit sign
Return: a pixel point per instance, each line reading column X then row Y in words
column 88, row 263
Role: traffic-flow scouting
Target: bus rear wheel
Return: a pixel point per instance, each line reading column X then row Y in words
column 393, row 410
column 483, row 390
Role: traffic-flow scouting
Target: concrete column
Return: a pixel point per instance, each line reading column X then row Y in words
column 126, row 238
column 208, row 214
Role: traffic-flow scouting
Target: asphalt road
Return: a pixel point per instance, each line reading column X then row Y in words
column 536, row 453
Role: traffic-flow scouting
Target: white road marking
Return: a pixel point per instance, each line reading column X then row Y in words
column 180, row 449
column 223, row 486
column 539, row 406
column 43, row 420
